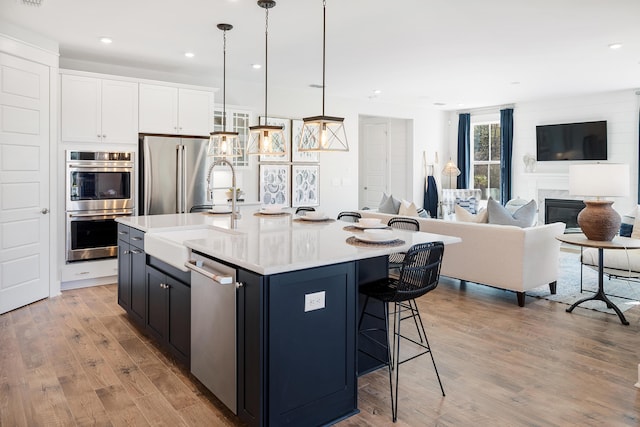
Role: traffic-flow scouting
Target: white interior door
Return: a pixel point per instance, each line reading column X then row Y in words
column 24, row 183
column 374, row 175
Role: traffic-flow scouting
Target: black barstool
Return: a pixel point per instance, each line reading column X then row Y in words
column 419, row 274
column 349, row 216
column 302, row 210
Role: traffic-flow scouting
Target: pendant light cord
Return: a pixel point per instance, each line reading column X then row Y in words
column 324, row 49
column 224, row 81
column 266, row 61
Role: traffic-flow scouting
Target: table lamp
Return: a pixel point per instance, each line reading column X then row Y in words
column 598, row 220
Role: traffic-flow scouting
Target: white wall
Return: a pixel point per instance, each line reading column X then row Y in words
column 619, row 109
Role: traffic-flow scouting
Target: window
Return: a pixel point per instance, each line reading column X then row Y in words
column 485, row 165
column 237, row 121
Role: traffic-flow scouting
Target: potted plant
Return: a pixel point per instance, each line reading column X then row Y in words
column 229, row 193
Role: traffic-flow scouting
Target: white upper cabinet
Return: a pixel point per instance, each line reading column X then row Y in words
column 98, row 110
column 172, row 110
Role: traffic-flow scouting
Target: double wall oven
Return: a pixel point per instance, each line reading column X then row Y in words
column 100, row 187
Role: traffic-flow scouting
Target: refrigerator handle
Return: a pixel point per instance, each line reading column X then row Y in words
column 147, row 176
column 185, row 174
column 179, row 179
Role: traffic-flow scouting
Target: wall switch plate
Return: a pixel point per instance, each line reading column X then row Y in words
column 314, row 301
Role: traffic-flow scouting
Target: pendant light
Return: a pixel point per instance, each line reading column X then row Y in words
column 266, row 139
column 223, row 144
column 323, row 133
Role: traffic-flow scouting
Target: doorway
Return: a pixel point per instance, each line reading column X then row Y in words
column 384, row 164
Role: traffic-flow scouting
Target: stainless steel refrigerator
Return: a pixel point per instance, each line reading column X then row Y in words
column 172, row 174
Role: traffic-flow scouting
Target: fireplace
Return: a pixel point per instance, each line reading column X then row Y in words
column 563, row 210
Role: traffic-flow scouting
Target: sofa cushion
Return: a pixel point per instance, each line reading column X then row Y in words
column 635, row 233
column 626, row 225
column 470, row 204
column 464, row 215
column 523, row 217
column 389, row 204
column 408, row 209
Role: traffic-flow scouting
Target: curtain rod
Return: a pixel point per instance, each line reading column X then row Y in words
column 493, row 109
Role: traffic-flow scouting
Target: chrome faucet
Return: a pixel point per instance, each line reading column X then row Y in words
column 234, row 215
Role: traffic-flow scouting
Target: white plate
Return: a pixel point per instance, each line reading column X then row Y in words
column 269, row 212
column 363, row 227
column 306, row 218
column 219, row 212
column 375, row 239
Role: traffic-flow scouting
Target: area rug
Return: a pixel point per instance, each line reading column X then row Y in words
column 625, row 294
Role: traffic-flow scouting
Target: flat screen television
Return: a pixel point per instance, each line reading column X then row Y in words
column 572, row 141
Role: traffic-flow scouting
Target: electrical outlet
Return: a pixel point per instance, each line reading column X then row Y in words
column 314, row 301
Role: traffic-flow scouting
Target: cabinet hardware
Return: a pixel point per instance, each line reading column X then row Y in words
column 44, row 211
column 136, row 251
column 122, row 232
column 126, row 252
column 239, row 285
column 136, row 238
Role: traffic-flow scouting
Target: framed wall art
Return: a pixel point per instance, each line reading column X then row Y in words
column 297, row 156
column 286, row 130
column 306, row 185
column 275, row 184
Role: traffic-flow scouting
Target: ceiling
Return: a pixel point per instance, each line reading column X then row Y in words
column 450, row 54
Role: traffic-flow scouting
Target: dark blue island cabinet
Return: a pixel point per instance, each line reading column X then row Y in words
column 297, row 367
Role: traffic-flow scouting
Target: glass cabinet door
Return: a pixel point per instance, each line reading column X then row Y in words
column 237, row 121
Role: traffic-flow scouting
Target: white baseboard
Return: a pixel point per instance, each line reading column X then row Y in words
column 638, row 383
column 98, row 281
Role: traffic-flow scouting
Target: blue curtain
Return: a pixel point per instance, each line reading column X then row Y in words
column 464, row 146
column 506, row 155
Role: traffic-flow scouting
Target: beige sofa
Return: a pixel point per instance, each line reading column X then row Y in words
column 502, row 256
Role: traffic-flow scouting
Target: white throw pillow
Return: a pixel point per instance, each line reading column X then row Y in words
column 408, row 209
column 464, row 215
column 636, row 225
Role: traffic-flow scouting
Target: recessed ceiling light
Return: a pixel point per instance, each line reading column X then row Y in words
column 615, row 45
column 106, row 40
column 515, row 83
column 256, row 66
column 377, row 92
column 439, row 104
column 189, row 54
column 315, row 86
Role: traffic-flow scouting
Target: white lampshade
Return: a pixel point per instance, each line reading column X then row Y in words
column 599, row 180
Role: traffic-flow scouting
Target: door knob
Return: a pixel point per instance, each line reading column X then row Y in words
column 44, row 211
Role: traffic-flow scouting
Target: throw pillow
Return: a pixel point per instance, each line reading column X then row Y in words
column 464, row 215
column 470, row 204
column 515, row 204
column 636, row 225
column 408, row 209
column 523, row 217
column 422, row 213
column 389, row 204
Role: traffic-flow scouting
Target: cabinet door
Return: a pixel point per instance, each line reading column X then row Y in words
column 80, row 109
column 138, row 288
column 124, row 275
column 179, row 333
column 195, row 112
column 158, row 109
column 156, row 303
column 119, row 111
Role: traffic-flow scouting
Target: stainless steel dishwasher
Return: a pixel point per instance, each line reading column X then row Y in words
column 213, row 327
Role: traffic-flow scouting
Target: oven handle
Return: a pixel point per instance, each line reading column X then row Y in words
column 123, row 213
column 108, row 168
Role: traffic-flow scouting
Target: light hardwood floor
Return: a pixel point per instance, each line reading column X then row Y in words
column 77, row 360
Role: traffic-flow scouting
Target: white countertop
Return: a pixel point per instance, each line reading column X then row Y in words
column 268, row 244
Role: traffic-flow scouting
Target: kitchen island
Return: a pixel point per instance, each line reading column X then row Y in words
column 296, row 306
